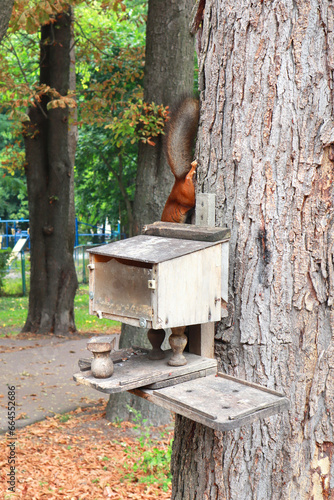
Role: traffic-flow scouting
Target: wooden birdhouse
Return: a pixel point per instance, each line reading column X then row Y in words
column 171, row 276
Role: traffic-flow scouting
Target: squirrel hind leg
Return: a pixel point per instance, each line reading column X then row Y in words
column 174, row 212
column 187, row 217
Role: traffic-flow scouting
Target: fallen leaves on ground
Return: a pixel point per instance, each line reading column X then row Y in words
column 77, row 456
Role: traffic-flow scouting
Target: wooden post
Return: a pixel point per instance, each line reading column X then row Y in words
column 202, row 337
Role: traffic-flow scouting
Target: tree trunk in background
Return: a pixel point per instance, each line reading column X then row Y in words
column 169, row 74
column 5, row 14
column 119, row 403
column 265, row 148
column 50, row 145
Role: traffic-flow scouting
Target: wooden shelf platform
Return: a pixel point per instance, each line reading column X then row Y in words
column 196, row 390
column 218, row 401
column 139, row 371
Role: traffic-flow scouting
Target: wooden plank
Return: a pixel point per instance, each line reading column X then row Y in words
column 188, row 406
column 188, row 289
column 91, row 282
column 202, row 336
column 225, row 266
column 150, row 249
column 140, row 371
column 205, row 212
column 182, row 378
column 123, row 319
column 202, row 339
column 187, row 231
column 249, row 384
column 234, row 402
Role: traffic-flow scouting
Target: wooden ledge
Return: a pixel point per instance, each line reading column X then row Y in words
column 187, row 231
column 218, row 401
column 139, row 371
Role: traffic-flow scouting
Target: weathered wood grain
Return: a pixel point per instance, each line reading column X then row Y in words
column 187, row 231
column 265, row 148
column 189, row 289
column 140, row 371
column 150, row 249
column 221, row 403
column 182, row 286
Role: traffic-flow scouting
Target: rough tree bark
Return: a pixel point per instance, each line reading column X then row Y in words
column 169, row 74
column 266, row 149
column 6, row 12
column 50, row 146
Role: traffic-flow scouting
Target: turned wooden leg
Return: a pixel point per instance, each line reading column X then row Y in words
column 178, row 341
column 156, row 338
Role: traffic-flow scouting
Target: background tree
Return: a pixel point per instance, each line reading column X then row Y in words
column 49, row 172
column 110, row 43
column 6, row 12
column 265, row 149
column 110, row 90
column 168, row 75
column 112, row 102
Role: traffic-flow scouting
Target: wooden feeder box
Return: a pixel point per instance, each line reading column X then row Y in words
column 172, row 276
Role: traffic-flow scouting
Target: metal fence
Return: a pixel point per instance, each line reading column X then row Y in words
column 16, row 268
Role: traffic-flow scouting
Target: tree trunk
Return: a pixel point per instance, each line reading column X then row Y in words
column 169, row 73
column 49, row 143
column 265, row 148
column 6, row 12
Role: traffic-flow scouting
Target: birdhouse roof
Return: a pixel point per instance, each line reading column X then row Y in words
column 151, row 249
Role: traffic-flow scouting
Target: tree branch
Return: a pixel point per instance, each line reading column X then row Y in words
column 25, row 78
column 89, row 40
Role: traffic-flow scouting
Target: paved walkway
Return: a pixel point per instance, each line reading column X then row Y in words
column 41, row 371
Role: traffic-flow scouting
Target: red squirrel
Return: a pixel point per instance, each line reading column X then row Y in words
column 180, row 135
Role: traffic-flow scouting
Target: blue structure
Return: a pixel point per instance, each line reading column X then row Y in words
column 11, row 232
column 95, row 234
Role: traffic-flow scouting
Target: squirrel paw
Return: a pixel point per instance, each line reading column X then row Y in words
column 192, row 171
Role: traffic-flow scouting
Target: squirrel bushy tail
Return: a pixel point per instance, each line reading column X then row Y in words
column 180, row 135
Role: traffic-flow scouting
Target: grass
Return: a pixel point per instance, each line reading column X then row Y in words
column 84, row 321
column 151, row 458
column 13, row 313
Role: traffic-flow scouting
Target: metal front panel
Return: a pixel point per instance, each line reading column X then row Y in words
column 122, row 290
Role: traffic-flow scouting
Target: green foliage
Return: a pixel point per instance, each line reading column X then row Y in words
column 64, row 418
column 13, row 196
column 13, row 190
column 4, row 254
column 113, row 118
column 97, row 188
column 139, row 122
column 152, row 461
